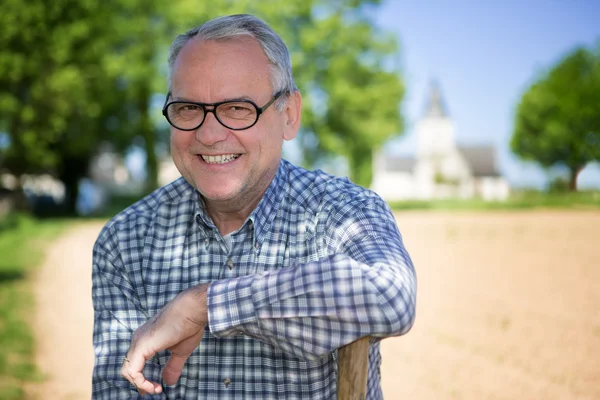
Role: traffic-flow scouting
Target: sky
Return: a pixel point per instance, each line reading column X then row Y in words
column 484, row 54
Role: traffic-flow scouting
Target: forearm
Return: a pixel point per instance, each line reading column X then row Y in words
column 312, row 309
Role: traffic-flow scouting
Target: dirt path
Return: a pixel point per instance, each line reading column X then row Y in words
column 64, row 317
column 507, row 309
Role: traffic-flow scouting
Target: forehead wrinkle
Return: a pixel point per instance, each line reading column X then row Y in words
column 224, row 79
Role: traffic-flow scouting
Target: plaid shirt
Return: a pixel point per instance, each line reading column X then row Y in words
column 318, row 264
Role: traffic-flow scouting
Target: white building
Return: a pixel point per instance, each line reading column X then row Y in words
column 440, row 168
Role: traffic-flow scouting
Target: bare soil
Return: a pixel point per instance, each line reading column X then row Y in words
column 508, row 308
column 64, row 316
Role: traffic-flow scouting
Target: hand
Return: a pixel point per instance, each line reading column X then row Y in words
column 178, row 327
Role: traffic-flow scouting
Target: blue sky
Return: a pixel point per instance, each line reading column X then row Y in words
column 484, row 54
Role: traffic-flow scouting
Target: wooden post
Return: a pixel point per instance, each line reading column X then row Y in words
column 353, row 370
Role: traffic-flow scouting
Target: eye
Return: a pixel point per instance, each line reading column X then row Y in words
column 239, row 110
column 239, row 107
column 185, row 107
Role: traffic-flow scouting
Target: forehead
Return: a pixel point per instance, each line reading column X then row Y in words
column 211, row 70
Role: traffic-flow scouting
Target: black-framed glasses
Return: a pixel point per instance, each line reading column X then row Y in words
column 236, row 115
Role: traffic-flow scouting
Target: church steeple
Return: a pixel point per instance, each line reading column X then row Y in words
column 435, row 106
column 435, row 131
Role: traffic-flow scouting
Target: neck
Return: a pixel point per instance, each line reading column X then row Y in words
column 229, row 216
column 228, row 219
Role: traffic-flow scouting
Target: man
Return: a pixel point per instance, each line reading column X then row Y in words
column 242, row 278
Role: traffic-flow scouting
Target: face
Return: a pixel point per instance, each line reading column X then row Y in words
column 229, row 168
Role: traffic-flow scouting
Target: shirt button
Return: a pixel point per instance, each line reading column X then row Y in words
column 230, row 263
column 226, row 382
column 206, row 243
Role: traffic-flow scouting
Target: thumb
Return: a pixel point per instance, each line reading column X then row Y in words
column 173, row 369
column 179, row 355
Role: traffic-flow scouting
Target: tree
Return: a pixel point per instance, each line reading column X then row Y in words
column 85, row 72
column 558, row 117
column 56, row 95
column 347, row 72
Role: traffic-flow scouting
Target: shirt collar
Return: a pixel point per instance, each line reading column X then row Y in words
column 200, row 211
column 264, row 214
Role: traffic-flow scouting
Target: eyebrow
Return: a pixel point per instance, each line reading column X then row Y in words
column 239, row 98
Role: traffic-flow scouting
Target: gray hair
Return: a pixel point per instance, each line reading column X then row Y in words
column 232, row 26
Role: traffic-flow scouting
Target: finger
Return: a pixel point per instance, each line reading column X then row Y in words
column 142, row 392
column 145, row 386
column 132, row 370
column 157, row 389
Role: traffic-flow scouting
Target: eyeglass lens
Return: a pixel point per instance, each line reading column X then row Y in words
column 234, row 115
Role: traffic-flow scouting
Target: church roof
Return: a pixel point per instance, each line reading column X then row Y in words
column 481, row 160
column 435, row 104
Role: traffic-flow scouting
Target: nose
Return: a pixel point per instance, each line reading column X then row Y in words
column 211, row 131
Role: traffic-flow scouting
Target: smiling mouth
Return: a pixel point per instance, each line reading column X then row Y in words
column 220, row 159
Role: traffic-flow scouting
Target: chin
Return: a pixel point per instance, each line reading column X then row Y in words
column 217, row 193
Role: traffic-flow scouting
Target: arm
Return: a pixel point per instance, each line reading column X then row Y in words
column 118, row 312
column 366, row 286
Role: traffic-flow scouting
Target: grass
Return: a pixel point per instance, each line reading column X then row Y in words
column 519, row 200
column 22, row 241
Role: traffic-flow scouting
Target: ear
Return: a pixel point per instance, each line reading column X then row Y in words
column 291, row 112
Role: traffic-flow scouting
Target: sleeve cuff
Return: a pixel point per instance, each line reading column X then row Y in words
column 230, row 306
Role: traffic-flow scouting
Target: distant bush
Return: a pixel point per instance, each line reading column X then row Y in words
column 559, row 185
column 519, row 200
column 8, row 221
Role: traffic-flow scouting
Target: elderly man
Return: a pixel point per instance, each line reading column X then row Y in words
column 242, row 278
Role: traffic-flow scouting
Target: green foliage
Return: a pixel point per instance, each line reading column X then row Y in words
column 76, row 73
column 558, row 117
column 351, row 86
column 21, row 244
column 56, row 93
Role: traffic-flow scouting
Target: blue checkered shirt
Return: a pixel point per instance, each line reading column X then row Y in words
column 318, row 264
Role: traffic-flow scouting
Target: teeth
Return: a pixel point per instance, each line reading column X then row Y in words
column 220, row 159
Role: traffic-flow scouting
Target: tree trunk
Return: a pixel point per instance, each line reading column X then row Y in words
column 361, row 166
column 73, row 169
column 147, row 132
column 18, row 167
column 18, row 199
column 573, row 174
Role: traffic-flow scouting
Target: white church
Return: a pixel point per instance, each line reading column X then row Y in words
column 440, row 168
